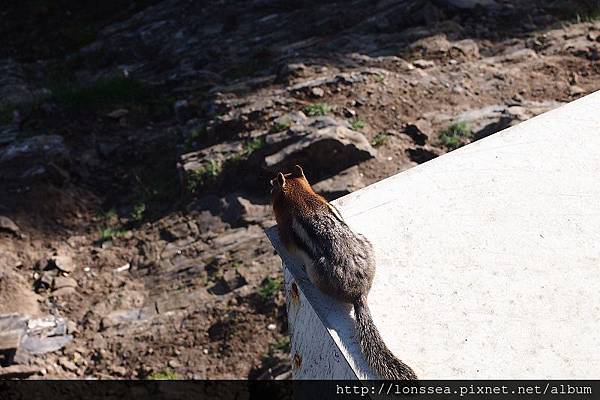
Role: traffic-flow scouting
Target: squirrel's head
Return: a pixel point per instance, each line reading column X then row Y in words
column 284, row 183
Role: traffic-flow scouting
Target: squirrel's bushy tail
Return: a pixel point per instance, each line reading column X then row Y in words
column 378, row 356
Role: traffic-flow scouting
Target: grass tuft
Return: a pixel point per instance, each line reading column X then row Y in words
column 269, row 287
column 204, row 175
column 138, row 212
column 317, row 109
column 280, row 126
column 167, row 375
column 109, row 234
column 252, row 146
column 380, row 139
column 455, row 135
column 356, row 124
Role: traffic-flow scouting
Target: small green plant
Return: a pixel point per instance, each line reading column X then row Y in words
column 380, row 78
column 138, row 212
column 280, row 126
column 109, row 234
column 584, row 11
column 167, row 375
column 208, row 173
column 356, row 124
column 282, row 344
column 455, row 135
column 252, row 145
column 317, row 109
column 269, row 287
column 380, row 139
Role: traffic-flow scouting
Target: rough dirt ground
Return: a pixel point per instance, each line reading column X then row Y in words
column 172, row 275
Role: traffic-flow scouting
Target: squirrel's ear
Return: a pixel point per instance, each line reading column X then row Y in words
column 298, row 171
column 281, row 179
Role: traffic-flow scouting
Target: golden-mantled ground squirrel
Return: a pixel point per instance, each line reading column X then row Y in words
column 338, row 261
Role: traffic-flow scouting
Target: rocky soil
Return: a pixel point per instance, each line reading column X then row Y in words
column 137, row 142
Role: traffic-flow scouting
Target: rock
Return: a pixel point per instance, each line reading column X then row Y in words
column 209, row 223
column 229, row 281
column 174, row 364
column 8, row 134
column 12, row 329
column 19, row 371
column 64, row 263
column 432, row 47
column 322, row 145
column 349, row 113
column 64, row 291
column 41, row 345
column 341, row 184
column 464, row 49
column 180, row 230
column 119, row 370
column 573, row 91
column 7, row 225
column 243, row 210
column 122, row 268
column 118, row 113
column 45, row 280
column 63, row 281
column 529, row 109
column 66, row 364
column 237, row 237
column 487, row 120
column 72, row 327
column 205, row 167
column 120, row 317
column 287, row 72
column 14, row 87
column 581, row 47
column 290, row 119
column 317, row 92
column 513, row 56
column 345, row 78
column 76, row 242
column 326, row 144
column 424, row 64
column 46, row 326
column 34, row 158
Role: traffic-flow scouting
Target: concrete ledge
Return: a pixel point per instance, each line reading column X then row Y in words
column 488, row 261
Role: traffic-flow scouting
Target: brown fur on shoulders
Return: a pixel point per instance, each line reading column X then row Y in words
column 292, row 195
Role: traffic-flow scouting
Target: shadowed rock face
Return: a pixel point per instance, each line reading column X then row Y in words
column 34, row 158
column 324, row 145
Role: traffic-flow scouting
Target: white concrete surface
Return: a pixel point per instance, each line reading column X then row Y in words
column 488, row 258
